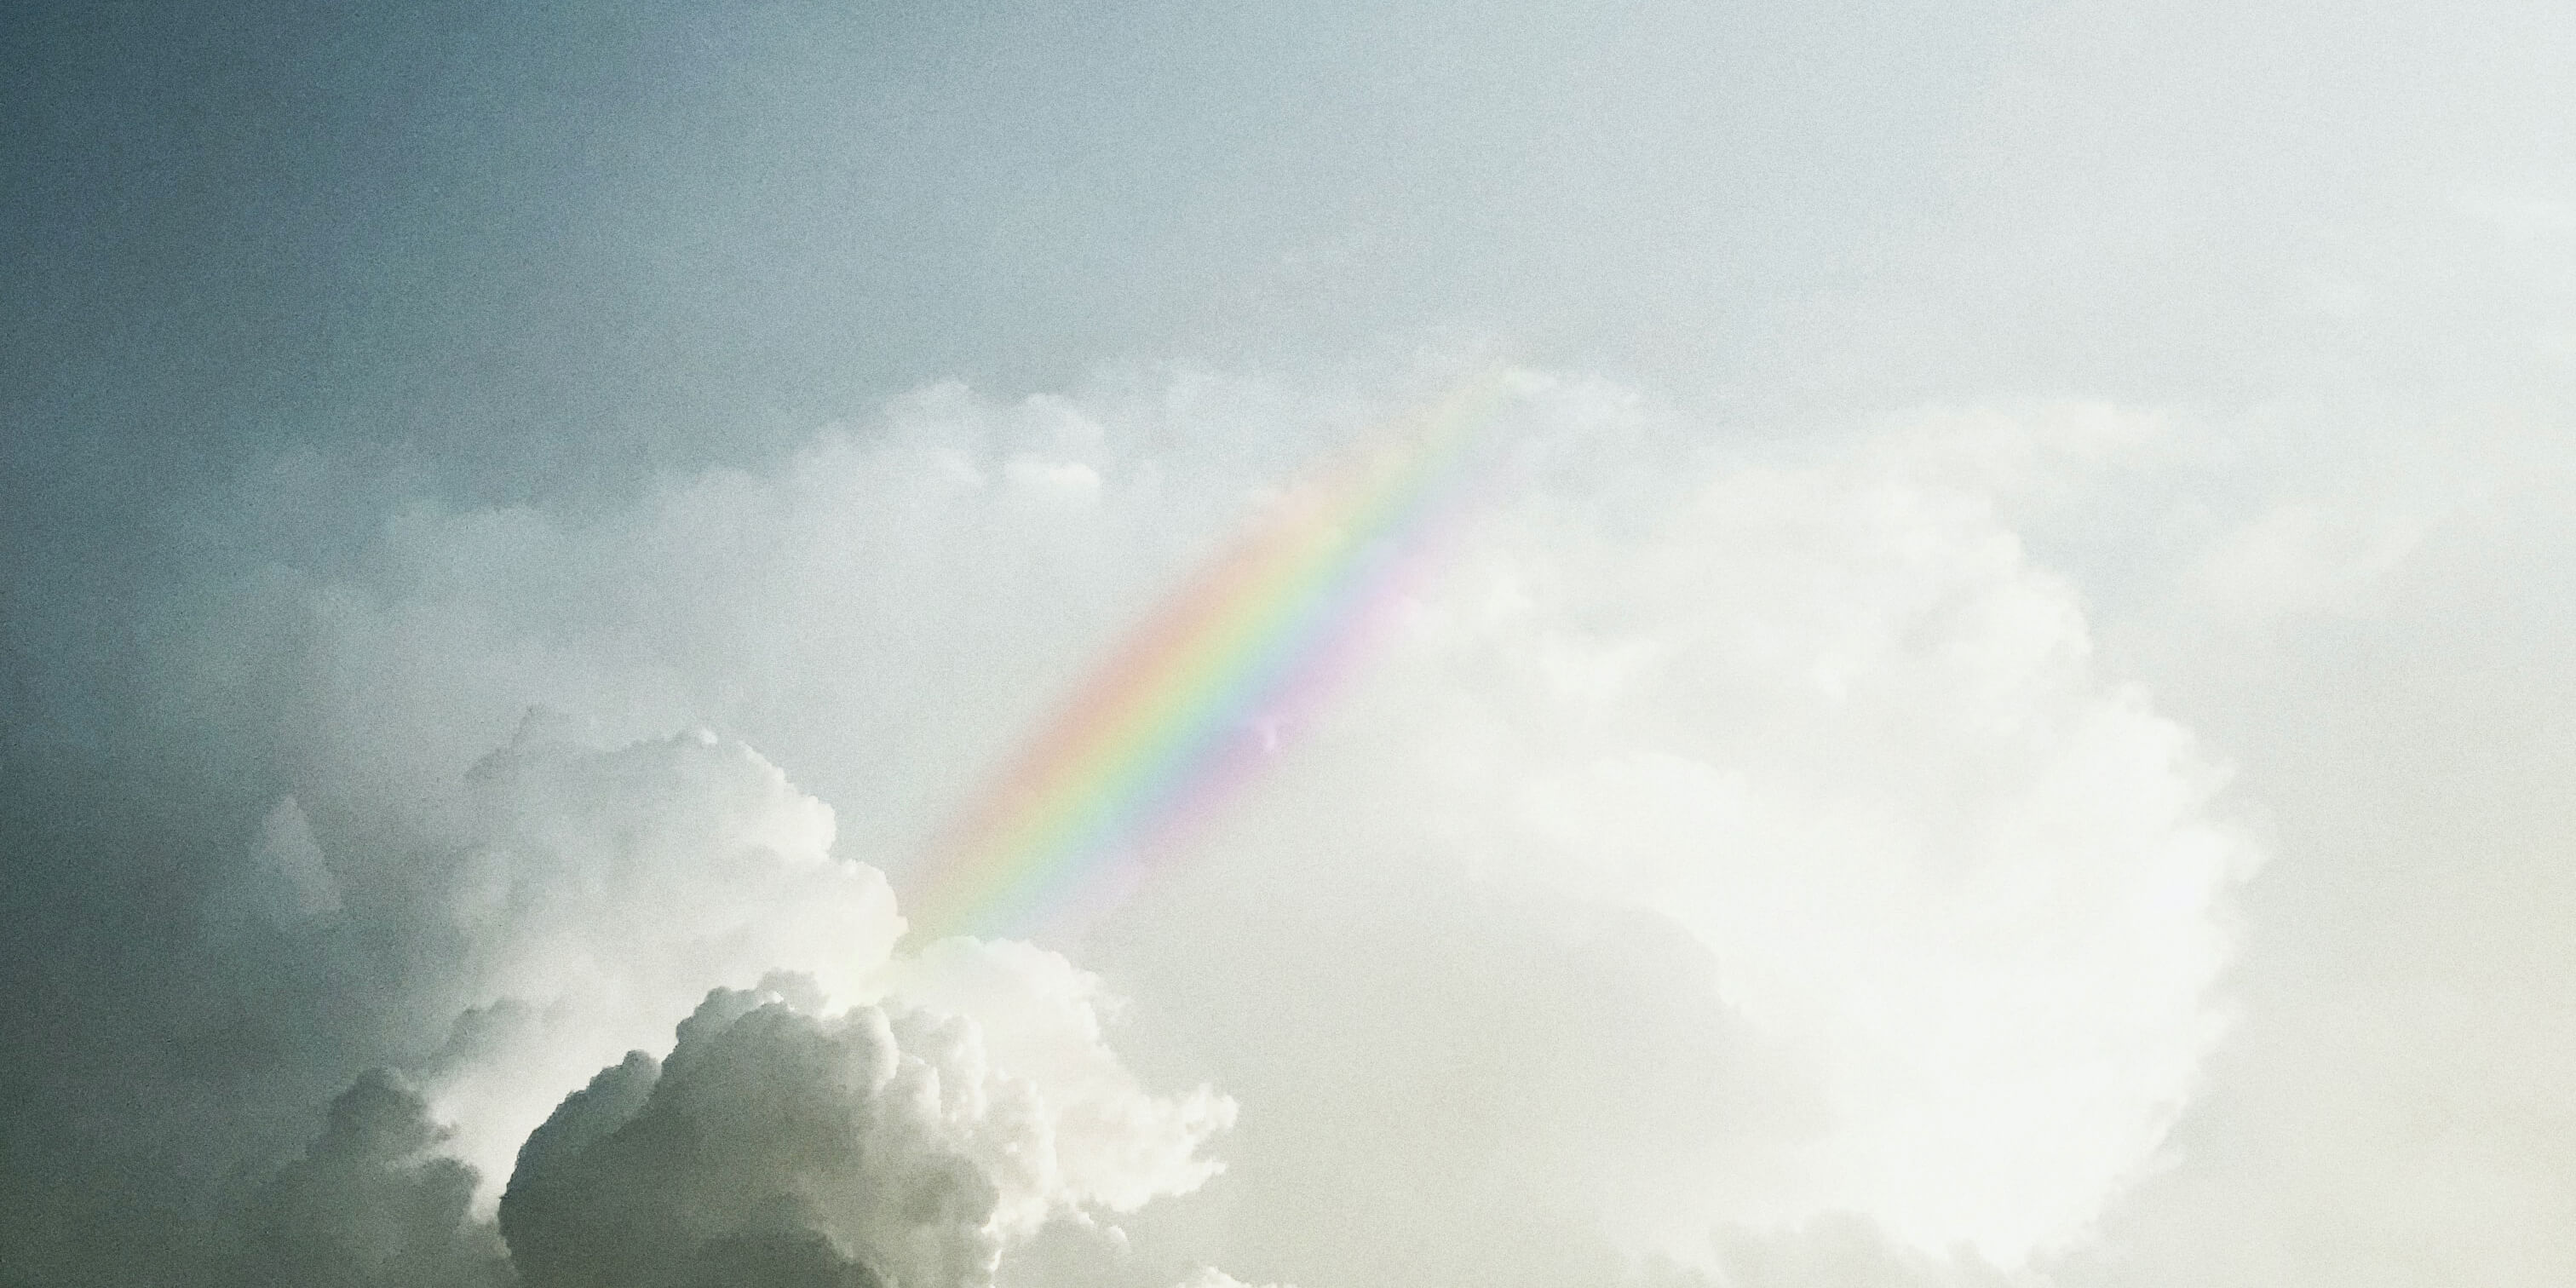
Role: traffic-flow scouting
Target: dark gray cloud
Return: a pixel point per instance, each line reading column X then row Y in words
column 771, row 1148
column 372, row 1204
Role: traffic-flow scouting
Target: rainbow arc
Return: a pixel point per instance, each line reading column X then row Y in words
column 1200, row 696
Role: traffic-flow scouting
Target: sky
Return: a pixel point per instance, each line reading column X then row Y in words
column 1997, row 722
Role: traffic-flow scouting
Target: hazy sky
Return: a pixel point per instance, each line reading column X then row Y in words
column 2010, row 727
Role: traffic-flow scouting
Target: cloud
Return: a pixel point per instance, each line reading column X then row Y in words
column 372, row 1204
column 869, row 1147
column 769, row 1140
column 818, row 1130
column 595, row 895
column 1832, row 721
column 1766, row 851
column 1839, row 1250
column 1732, row 840
column 1108, row 1145
column 1212, row 1278
column 283, row 883
column 592, row 896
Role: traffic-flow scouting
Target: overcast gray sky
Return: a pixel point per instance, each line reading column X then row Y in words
column 2014, row 729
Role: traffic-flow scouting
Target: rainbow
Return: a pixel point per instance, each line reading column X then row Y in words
column 1195, row 701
